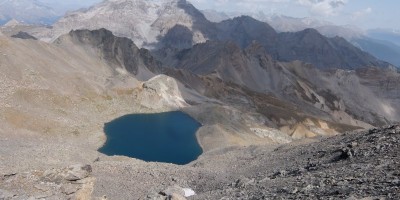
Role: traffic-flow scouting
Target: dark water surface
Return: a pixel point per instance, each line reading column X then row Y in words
column 164, row 137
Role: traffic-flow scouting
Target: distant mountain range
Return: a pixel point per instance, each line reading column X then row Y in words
column 148, row 12
column 383, row 44
column 178, row 24
column 38, row 12
column 27, row 11
column 384, row 34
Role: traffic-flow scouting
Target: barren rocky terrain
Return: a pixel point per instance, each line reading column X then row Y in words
column 273, row 125
column 355, row 165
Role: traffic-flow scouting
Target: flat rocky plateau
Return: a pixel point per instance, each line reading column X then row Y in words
column 353, row 165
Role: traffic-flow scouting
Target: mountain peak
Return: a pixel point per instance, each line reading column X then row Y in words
column 145, row 22
column 310, row 31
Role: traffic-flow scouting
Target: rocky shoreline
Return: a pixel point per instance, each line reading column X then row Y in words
column 354, row 165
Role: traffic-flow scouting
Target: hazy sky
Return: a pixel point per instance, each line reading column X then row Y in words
column 69, row 5
column 363, row 13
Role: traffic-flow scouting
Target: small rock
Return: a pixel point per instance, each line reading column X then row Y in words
column 308, row 188
column 78, row 172
column 9, row 175
column 283, row 173
column 342, row 154
column 396, row 182
column 264, row 180
column 44, row 195
column 243, row 182
column 42, row 187
column 397, row 129
column 155, row 197
column 176, row 197
column 173, row 190
column 69, row 189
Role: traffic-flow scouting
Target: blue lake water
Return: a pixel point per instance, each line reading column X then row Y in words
column 163, row 137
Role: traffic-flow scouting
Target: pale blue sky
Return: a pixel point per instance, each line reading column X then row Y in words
column 366, row 14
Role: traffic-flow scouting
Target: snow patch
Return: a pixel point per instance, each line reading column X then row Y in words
column 189, row 192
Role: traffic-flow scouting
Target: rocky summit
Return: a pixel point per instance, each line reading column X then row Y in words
column 276, row 115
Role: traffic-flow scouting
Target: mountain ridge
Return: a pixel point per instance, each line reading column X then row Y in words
column 365, row 40
column 178, row 24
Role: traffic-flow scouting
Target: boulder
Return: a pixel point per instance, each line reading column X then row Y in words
column 77, row 172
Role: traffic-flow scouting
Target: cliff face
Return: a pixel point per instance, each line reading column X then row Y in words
column 118, row 52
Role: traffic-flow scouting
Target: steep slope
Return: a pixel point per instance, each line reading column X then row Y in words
column 145, row 22
column 307, row 45
column 226, row 60
column 244, row 30
column 372, row 41
column 328, row 95
column 119, row 52
column 376, row 45
column 310, row 46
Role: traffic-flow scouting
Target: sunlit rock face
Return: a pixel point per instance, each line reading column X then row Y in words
column 145, row 22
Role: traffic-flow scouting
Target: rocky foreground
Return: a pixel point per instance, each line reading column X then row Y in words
column 362, row 165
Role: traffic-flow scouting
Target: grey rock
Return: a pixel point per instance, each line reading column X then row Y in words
column 77, row 172
column 173, row 190
column 24, row 35
column 175, row 196
column 42, row 187
column 156, row 197
column 69, row 189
